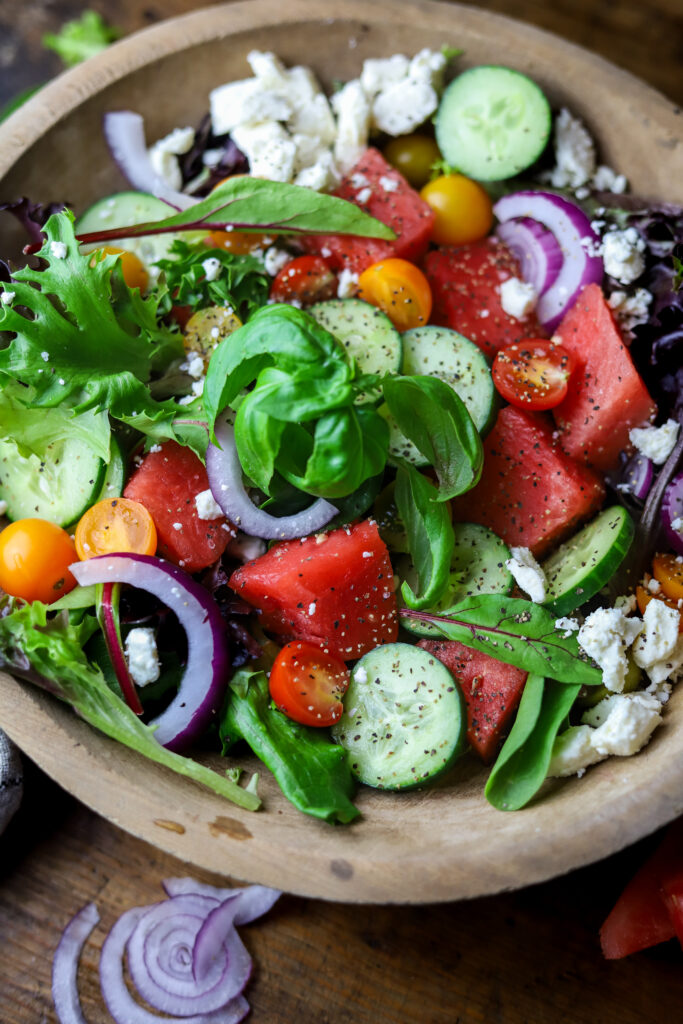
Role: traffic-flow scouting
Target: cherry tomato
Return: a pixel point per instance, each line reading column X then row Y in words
column 644, row 596
column 669, row 572
column 207, row 327
column 116, row 525
column 307, row 279
column 132, row 267
column 238, row 242
column 308, row 685
column 533, row 374
column 414, row 156
column 463, row 211
column 35, row 556
column 400, row 290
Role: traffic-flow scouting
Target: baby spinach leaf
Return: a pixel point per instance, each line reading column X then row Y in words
column 311, row 771
column 430, row 535
column 517, row 632
column 522, row 764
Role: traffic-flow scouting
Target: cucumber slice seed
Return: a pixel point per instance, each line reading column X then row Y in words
column 492, row 123
column 365, row 332
column 404, row 718
column 583, row 565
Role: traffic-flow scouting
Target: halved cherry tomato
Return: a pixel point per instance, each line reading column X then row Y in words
column 35, row 556
column 462, row 208
column 238, row 242
column 533, row 374
column 307, row 279
column 400, row 290
column 204, row 329
column 669, row 572
column 116, row 524
column 307, row 684
column 644, row 596
column 132, row 267
column 414, row 156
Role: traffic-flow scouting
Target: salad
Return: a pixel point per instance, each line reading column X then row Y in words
column 350, row 434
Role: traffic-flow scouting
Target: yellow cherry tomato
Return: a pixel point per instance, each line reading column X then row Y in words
column 414, row 156
column 116, row 525
column 669, row 574
column 35, row 556
column 463, row 211
column 400, row 290
column 206, row 328
column 132, row 267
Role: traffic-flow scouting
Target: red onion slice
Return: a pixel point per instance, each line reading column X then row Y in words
column 121, row 1004
column 65, row 965
column 207, row 670
column 578, row 241
column 538, row 251
column 636, row 476
column 672, row 514
column 115, row 650
column 253, row 901
column 225, row 479
column 125, row 135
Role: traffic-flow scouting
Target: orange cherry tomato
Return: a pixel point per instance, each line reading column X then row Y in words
column 307, row 279
column 35, row 556
column 644, row 596
column 463, row 211
column 669, row 572
column 533, row 374
column 238, row 242
column 400, row 290
column 414, row 156
column 132, row 267
column 308, row 685
column 116, row 525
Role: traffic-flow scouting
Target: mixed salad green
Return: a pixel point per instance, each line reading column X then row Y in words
column 354, row 420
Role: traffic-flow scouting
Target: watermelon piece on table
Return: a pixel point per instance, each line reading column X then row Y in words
column 531, row 493
column 381, row 191
column 607, row 396
column 465, row 283
column 333, row 589
column 492, row 691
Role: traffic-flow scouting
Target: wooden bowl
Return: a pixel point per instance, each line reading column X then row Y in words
column 442, row 843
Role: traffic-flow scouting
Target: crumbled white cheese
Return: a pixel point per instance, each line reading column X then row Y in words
column 379, row 74
column 142, row 656
column 207, row 506
column 246, row 548
column 607, row 180
column 388, row 184
column 655, row 443
column 403, row 107
column 626, row 603
column 605, row 636
column 212, row 268
column 630, row 310
column 527, row 573
column 194, row 365
column 622, row 253
column 568, row 625
column 677, row 524
column 658, row 648
column 518, row 298
column 163, row 155
column 245, row 102
column 348, row 284
column 7, row 297
column 573, row 752
column 178, row 527
column 58, row 250
column 275, row 259
column 352, row 107
column 574, row 152
column 627, row 722
column 360, row 674
column 364, row 195
column 268, row 147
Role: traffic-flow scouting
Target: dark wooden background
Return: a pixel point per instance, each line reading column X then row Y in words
column 530, row 957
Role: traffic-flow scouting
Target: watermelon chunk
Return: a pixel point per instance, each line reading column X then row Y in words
column 381, row 191
column 334, row 589
column 492, row 691
column 607, row 396
column 531, row 493
column 465, row 283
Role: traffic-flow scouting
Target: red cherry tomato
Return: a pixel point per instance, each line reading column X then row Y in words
column 306, row 279
column 308, row 685
column 533, row 374
column 35, row 556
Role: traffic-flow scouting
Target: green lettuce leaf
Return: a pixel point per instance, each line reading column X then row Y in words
column 242, row 283
column 81, row 38
column 32, row 430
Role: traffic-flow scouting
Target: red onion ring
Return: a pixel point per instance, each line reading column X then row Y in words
column 637, row 475
column 115, row 651
column 252, row 901
column 65, row 965
column 538, row 251
column 125, row 135
column 225, row 479
column 576, row 238
column 121, row 1004
column 672, row 509
column 207, row 670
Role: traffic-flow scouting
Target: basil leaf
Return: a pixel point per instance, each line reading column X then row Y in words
column 517, row 632
column 522, row 764
column 312, row 772
column 260, row 437
column 436, row 420
column 301, row 395
column 430, row 535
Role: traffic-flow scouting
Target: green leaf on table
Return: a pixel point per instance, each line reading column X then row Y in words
column 311, row 771
column 430, row 535
column 81, row 38
column 517, row 632
column 522, row 764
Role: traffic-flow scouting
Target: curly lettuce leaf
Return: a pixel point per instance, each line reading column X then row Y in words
column 242, row 283
column 33, row 430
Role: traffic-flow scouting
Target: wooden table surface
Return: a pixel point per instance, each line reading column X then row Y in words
column 530, row 957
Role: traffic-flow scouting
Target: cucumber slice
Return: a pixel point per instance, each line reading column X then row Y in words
column 477, row 567
column 492, row 123
column 457, row 361
column 582, row 565
column 366, row 333
column 127, row 208
column 60, row 487
column 404, row 720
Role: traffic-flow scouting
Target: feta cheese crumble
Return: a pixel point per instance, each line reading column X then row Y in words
column 622, row 253
column 58, row 250
column 518, row 298
column 568, row 625
column 348, row 284
column 207, row 506
column 212, row 268
column 7, row 297
column 575, row 162
column 605, row 636
column 163, row 155
column 142, row 656
column 655, row 443
column 527, row 574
